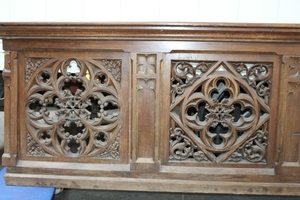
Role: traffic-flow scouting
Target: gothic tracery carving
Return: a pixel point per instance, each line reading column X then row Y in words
column 220, row 111
column 75, row 113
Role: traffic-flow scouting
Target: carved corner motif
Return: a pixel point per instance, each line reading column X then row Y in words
column 32, row 65
column 257, row 75
column 112, row 152
column 254, row 149
column 114, row 67
column 182, row 147
column 185, row 73
column 33, row 148
column 146, row 64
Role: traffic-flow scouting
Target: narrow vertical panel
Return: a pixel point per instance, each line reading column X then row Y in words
column 146, row 108
column 292, row 134
column 288, row 127
column 144, row 111
column 291, row 94
column 10, row 109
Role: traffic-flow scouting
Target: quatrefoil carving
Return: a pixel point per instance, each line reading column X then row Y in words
column 218, row 111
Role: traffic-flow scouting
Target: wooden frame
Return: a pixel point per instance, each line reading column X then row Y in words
column 171, row 107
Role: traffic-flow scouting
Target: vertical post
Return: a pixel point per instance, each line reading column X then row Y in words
column 145, row 110
column 10, row 109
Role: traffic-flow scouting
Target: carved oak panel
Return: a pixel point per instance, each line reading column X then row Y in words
column 74, row 108
column 220, row 109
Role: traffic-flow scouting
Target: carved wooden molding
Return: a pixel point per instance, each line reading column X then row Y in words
column 155, row 31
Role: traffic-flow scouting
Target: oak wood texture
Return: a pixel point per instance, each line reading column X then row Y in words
column 174, row 107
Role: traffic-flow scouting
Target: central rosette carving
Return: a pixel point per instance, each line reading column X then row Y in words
column 219, row 113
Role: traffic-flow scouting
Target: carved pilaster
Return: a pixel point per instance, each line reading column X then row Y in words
column 145, row 111
column 10, row 108
column 289, row 124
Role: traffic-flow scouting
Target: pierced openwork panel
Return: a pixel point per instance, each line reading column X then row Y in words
column 73, row 107
column 219, row 111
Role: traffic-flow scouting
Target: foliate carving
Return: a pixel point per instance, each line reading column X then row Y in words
column 114, row 67
column 218, row 113
column 185, row 73
column 182, row 147
column 146, row 64
column 257, row 76
column 75, row 113
column 254, row 149
column 33, row 148
column 32, row 65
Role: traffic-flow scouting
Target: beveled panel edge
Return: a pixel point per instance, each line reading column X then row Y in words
column 153, row 31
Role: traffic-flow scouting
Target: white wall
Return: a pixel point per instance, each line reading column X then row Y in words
column 253, row 11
